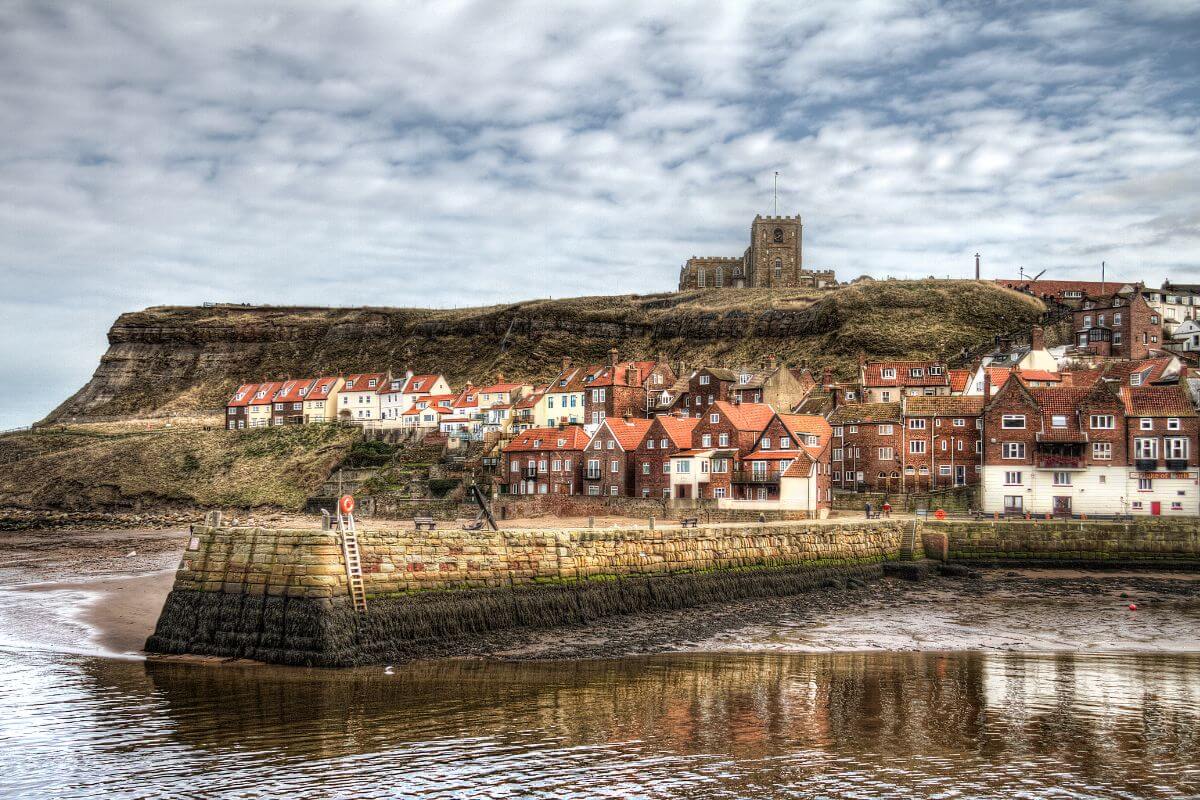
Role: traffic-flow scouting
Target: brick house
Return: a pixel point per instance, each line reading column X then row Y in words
column 940, row 442
column 287, row 406
column 1162, row 427
column 624, row 388
column 1118, row 327
column 787, row 439
column 544, row 461
column 888, row 381
column 709, row 385
column 666, row 436
column 866, row 447
column 733, row 430
column 1054, row 450
column 609, row 465
column 776, row 385
column 236, row 405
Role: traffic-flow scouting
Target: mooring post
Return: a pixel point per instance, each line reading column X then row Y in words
column 651, row 523
column 591, row 522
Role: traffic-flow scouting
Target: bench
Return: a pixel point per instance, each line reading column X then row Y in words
column 689, row 522
column 424, row 522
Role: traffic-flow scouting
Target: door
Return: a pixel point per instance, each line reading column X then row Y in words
column 684, row 492
column 960, row 476
column 1155, row 508
column 1062, row 506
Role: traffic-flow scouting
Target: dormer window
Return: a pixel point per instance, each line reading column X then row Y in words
column 744, row 378
column 371, row 383
column 811, row 441
column 417, row 386
column 888, row 372
column 935, row 370
column 916, row 372
column 1058, row 421
column 537, row 443
column 704, row 380
column 562, row 442
column 1135, row 379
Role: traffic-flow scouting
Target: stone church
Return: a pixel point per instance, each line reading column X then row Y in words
column 773, row 259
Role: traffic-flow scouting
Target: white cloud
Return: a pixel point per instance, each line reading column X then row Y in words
column 317, row 154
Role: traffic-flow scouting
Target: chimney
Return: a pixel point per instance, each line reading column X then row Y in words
column 987, row 385
column 408, row 373
column 499, row 377
column 827, row 378
column 662, row 358
column 628, row 417
column 613, row 357
column 1037, row 338
column 566, row 363
column 977, row 266
column 631, row 375
column 771, row 363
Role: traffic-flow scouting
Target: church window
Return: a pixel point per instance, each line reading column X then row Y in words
column 779, row 268
column 700, row 278
column 720, row 277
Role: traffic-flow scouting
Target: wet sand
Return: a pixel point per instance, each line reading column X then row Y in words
column 101, row 591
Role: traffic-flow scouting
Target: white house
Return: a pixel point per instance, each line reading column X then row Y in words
column 359, row 398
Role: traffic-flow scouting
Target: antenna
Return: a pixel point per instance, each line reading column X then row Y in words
column 777, row 193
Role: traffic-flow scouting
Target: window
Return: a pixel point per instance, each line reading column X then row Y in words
column 1102, row 451
column 744, row 377
column 1013, row 450
column 960, row 423
column 714, row 418
column 916, row 424
column 612, row 490
column 1176, row 505
column 1014, row 504
column 720, row 465
column 650, row 444
column 1087, row 320
column 1145, row 485
column 1058, row 420
column 944, row 469
column 1117, row 337
column 1103, row 422
column 594, row 490
column 666, row 467
column 888, row 372
column 916, row 446
column 1145, row 449
column 1146, row 424
column 886, row 454
column 779, row 268
column 1062, row 479
column 232, row 411
column 1117, row 318
column 719, row 492
column 645, row 469
column 838, row 431
column 704, row 380
column 1012, row 479
column 683, row 466
column 612, row 445
column 704, row 465
column 885, row 430
column 723, row 440
column 785, row 442
column 1012, row 421
column 885, row 396
column 935, row 370
column 614, row 466
column 837, row 454
column 1175, row 447
column 853, row 429
column 1173, row 424
column 706, row 440
column 916, row 372
column 662, row 443
column 766, row 443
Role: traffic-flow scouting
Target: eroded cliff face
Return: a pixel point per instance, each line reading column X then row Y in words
column 174, row 360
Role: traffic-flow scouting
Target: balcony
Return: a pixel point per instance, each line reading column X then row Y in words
column 1177, row 465
column 1059, row 462
column 530, row 473
column 593, row 475
column 1145, row 464
column 756, row 476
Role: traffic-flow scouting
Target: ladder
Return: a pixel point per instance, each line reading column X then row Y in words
column 354, row 575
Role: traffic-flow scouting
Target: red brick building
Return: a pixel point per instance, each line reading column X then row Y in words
column 888, row 381
column 866, row 447
column 1118, row 327
column 940, row 442
column 786, row 440
column 287, row 406
column 728, row 427
column 544, row 461
column 709, row 385
column 235, row 407
column 609, row 466
column 651, row 460
column 624, row 388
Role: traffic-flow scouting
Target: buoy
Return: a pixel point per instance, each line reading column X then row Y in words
column 1133, row 606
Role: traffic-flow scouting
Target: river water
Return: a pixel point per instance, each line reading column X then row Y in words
column 962, row 724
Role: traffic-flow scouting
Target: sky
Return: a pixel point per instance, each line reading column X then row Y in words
column 466, row 153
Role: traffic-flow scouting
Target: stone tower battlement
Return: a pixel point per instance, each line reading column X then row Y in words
column 774, row 259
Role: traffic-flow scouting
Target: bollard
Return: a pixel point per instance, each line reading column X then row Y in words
column 326, row 520
column 591, row 522
column 651, row 523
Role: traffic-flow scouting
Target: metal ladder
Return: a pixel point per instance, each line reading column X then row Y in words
column 354, row 575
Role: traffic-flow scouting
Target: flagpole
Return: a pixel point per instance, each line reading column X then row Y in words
column 777, row 193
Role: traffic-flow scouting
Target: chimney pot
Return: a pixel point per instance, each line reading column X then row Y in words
column 1037, row 338
column 613, row 357
column 771, row 363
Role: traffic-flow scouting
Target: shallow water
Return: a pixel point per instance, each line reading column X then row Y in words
column 959, row 724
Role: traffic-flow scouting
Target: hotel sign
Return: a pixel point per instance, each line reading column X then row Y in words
column 1163, row 476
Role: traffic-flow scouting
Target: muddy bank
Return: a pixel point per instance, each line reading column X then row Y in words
column 39, row 520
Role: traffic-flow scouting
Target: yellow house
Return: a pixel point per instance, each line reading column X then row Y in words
column 258, row 411
column 320, row 399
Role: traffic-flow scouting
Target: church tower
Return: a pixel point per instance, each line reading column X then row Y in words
column 775, row 255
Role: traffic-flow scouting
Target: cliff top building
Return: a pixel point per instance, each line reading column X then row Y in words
column 774, row 259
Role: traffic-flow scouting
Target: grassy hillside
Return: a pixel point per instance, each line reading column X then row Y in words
column 116, row 467
column 164, row 361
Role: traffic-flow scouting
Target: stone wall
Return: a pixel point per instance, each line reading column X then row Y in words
column 642, row 508
column 1138, row 541
column 282, row 595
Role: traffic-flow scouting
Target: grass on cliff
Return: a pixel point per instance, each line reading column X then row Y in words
column 78, row 467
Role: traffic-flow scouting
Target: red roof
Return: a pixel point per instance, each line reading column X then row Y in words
column 572, row 437
column 242, row 396
column 265, row 394
column 873, row 373
column 629, row 433
column 426, row 384
column 746, row 416
column 959, row 378
column 361, row 382
column 1056, row 288
column 679, row 429
column 414, row 411
column 998, row 375
column 293, row 391
column 496, row 388
column 323, row 387
column 1157, row 401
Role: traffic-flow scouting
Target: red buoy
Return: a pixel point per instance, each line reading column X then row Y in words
column 1133, row 606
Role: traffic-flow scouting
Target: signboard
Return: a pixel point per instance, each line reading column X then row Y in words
column 1163, row 476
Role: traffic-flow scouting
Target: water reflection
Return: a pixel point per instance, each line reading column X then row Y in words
column 841, row 724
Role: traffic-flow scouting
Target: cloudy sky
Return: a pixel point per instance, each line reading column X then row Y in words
column 457, row 153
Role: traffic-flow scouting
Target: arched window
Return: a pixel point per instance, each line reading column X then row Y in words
column 779, row 268
column 720, row 278
column 778, row 235
column 700, row 277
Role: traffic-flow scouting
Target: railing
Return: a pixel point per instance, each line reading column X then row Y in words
column 530, row 472
column 1177, row 465
column 1145, row 464
column 756, row 476
column 593, row 474
column 1059, row 462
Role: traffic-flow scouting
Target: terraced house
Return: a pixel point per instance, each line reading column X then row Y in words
column 888, row 381
column 320, row 401
column 359, row 398
column 544, row 461
column 609, row 468
column 666, row 436
column 866, row 447
column 237, row 405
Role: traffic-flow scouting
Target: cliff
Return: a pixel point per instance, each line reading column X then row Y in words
column 182, row 360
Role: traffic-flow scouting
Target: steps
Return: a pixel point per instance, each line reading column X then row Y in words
column 908, row 543
column 354, row 577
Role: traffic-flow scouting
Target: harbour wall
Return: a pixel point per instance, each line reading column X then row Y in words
column 1138, row 542
column 283, row 596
